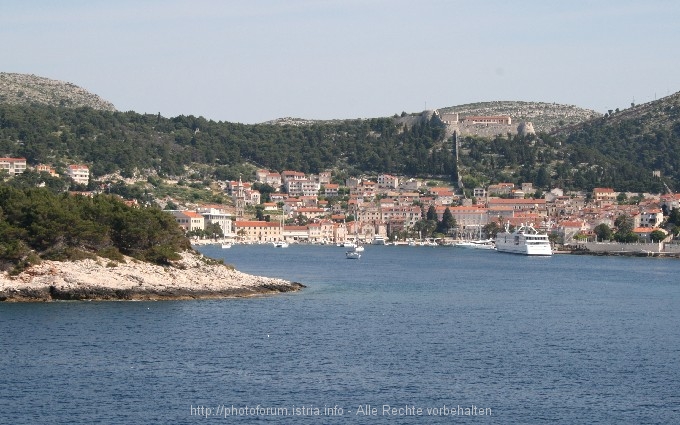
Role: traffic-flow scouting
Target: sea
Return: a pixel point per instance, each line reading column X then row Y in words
column 402, row 335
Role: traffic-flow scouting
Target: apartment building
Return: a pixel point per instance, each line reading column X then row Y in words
column 258, row 231
column 189, row 220
column 13, row 166
column 79, row 173
column 302, row 187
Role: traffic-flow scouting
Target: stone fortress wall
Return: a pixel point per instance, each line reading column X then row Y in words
column 473, row 127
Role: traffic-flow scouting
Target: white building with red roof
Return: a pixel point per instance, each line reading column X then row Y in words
column 79, row 173
column 650, row 218
column 604, row 196
column 331, row 189
column 288, row 175
column 13, row 166
column 302, row 187
column 271, row 178
column 189, row 220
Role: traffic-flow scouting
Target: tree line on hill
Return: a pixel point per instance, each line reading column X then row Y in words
column 603, row 153
column 628, row 149
column 127, row 141
column 581, row 162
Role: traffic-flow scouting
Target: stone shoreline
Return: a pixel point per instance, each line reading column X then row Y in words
column 193, row 277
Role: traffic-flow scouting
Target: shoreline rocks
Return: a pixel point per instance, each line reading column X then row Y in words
column 193, row 277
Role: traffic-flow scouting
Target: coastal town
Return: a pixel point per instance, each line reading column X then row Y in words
column 389, row 207
column 320, row 209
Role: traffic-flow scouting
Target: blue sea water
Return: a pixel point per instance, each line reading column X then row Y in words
column 404, row 335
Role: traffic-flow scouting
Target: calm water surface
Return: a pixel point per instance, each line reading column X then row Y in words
column 566, row 339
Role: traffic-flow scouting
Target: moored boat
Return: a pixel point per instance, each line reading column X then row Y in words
column 378, row 240
column 476, row 244
column 525, row 240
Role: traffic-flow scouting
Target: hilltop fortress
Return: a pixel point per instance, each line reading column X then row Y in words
column 483, row 126
column 472, row 125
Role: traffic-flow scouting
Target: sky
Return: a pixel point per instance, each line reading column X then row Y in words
column 252, row 61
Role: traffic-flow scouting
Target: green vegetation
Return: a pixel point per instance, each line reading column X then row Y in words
column 431, row 227
column 37, row 224
column 619, row 150
column 131, row 143
column 624, row 226
column 657, row 236
column 515, row 159
column 603, row 232
column 211, row 231
column 673, row 221
column 624, row 147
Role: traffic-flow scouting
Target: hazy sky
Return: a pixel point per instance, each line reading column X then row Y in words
column 255, row 60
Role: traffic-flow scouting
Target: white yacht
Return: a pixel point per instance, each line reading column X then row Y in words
column 281, row 244
column 524, row 240
column 378, row 240
column 476, row 244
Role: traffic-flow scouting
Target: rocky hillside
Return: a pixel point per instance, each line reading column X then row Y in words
column 658, row 115
column 544, row 116
column 22, row 89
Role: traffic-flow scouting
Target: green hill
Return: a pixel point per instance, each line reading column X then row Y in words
column 150, row 144
column 620, row 149
column 629, row 145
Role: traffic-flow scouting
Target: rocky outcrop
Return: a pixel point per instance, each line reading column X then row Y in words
column 24, row 89
column 193, row 277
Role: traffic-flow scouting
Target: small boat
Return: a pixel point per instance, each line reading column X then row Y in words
column 281, row 244
column 226, row 245
column 348, row 244
column 353, row 255
column 476, row 244
column 359, row 248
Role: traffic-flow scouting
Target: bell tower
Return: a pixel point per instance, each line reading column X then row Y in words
column 240, row 198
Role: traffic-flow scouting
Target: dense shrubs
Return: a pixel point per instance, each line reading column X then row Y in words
column 36, row 223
